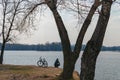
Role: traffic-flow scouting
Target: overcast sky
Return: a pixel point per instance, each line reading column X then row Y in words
column 47, row 30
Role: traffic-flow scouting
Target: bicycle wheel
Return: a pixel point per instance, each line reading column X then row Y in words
column 39, row 63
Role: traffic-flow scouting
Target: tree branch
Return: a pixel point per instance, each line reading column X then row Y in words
column 35, row 6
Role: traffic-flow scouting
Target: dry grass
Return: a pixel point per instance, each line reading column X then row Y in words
column 14, row 72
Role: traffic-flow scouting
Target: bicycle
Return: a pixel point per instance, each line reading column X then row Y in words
column 42, row 62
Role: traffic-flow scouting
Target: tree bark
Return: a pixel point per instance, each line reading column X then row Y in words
column 88, row 61
column 2, row 52
column 68, row 68
column 91, row 52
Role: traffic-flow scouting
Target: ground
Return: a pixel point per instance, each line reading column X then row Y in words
column 18, row 72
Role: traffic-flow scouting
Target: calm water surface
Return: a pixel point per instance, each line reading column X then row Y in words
column 107, row 67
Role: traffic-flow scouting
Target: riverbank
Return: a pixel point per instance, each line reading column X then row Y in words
column 19, row 72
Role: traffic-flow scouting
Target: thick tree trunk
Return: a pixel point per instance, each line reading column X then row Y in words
column 68, row 68
column 2, row 53
column 69, row 59
column 88, row 61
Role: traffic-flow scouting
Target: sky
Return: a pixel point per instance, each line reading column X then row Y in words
column 46, row 30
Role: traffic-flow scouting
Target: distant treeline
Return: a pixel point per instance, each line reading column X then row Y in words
column 55, row 46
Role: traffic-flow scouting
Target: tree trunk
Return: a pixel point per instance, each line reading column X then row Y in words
column 69, row 59
column 2, row 53
column 88, row 61
column 68, row 68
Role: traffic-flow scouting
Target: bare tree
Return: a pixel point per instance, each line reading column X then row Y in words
column 94, row 45
column 12, row 21
column 70, row 56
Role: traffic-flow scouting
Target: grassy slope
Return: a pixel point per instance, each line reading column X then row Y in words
column 15, row 72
